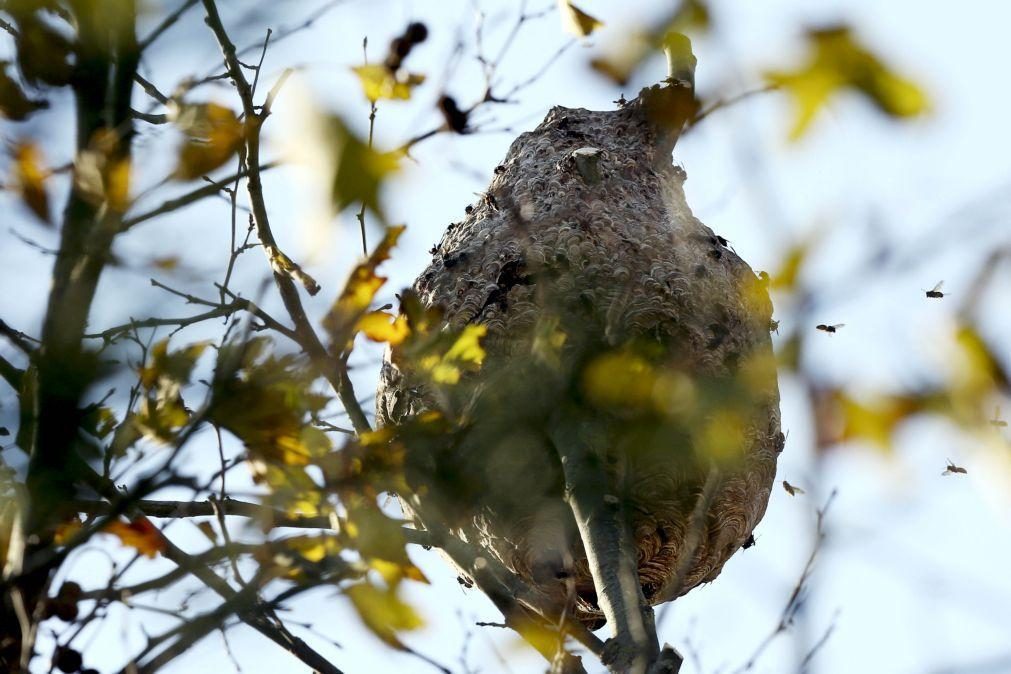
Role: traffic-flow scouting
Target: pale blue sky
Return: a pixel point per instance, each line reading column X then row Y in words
column 916, row 565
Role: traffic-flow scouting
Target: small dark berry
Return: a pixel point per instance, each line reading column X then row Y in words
column 67, row 660
column 416, row 32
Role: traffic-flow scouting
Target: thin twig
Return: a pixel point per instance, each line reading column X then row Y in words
column 334, row 371
column 189, row 198
column 793, row 603
column 165, row 24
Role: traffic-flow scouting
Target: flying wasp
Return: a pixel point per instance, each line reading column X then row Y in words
column 935, row 292
column 829, row 328
column 952, row 469
column 791, row 489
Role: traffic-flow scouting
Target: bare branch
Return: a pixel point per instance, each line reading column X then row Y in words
column 166, row 23
column 189, row 198
column 333, row 369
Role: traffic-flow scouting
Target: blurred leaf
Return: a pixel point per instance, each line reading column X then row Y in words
column 466, row 353
column 207, row 529
column 168, row 263
column 43, row 53
column 383, row 612
column 690, row 15
column 838, row 62
column 576, row 21
column 67, row 530
column 14, row 103
column 785, row 278
column 379, row 82
column 175, row 365
column 537, row 635
column 29, row 176
column 139, row 534
column 267, row 403
column 549, row 339
column 358, row 292
column 380, row 540
column 358, row 169
column 619, row 65
column 380, row 326
column 162, row 410
column 620, row 380
column 213, row 135
column 843, row 418
column 99, row 422
column 102, row 173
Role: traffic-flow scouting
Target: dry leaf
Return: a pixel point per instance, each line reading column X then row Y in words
column 29, row 176
column 576, row 21
column 139, row 534
column 379, row 82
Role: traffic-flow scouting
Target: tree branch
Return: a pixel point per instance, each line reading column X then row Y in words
column 334, row 370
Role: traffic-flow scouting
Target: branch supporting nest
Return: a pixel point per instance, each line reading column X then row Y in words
column 610, row 548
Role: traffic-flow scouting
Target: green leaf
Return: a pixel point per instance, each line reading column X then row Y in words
column 358, row 169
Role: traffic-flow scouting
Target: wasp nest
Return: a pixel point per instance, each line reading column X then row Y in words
column 608, row 306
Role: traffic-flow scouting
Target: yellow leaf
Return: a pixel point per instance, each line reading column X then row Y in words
column 117, row 185
column 467, row 347
column 167, row 263
column 838, row 62
column 465, row 352
column 785, row 278
column 383, row 612
column 213, row 135
column 619, row 379
column 576, row 21
column 538, row 635
column 67, row 530
column 380, row 326
column 380, row 82
column 358, row 292
column 139, row 534
column 29, row 177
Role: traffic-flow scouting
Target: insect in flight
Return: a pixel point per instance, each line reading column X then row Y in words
column 791, row 489
column 935, row 292
column 952, row 469
column 829, row 328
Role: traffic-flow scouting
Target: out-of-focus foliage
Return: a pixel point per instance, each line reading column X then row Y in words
column 139, row 533
column 576, row 21
column 359, row 291
column 839, row 62
column 213, row 134
column 358, row 169
column 29, row 176
column 379, row 82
